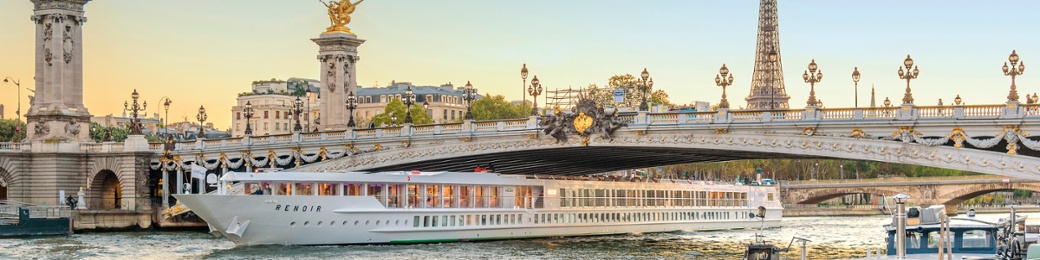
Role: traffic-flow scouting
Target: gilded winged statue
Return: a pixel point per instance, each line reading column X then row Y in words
column 339, row 14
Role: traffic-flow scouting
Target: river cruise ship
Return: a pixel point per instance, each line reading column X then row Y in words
column 306, row 208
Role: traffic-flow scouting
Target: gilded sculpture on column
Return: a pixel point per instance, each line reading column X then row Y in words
column 339, row 14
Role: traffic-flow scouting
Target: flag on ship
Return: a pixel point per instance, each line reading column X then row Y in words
column 198, row 171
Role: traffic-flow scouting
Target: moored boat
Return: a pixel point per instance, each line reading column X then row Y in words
column 304, row 208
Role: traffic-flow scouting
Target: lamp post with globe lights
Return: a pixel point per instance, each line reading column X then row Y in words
column 166, row 118
column 297, row 109
column 812, row 76
column 1016, row 69
column 135, row 109
column 202, row 121
column 426, row 109
column 724, row 79
column 772, row 78
column 469, row 94
column 535, row 89
column 248, row 111
column 18, row 87
column 855, row 79
column 645, row 88
column 409, row 100
column 351, row 105
column 523, row 75
column 908, row 98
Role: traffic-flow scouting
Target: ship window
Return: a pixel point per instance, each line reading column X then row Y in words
column 344, row 223
column 449, row 196
column 415, row 221
column 465, row 197
column 975, row 239
column 770, row 197
column 377, row 222
column 433, row 196
column 469, row 220
column 351, row 189
column 393, row 195
column 444, row 221
column 376, row 190
column 413, row 196
column 319, row 223
column 435, row 221
column 426, row 221
column 356, row 222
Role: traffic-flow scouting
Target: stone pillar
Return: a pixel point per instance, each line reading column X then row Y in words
column 338, row 56
column 165, row 187
column 57, row 112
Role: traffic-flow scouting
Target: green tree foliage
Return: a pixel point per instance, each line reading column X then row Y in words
column 396, row 107
column 117, row 133
column 495, row 107
column 603, row 96
column 12, row 130
column 805, row 169
column 659, row 97
column 629, row 84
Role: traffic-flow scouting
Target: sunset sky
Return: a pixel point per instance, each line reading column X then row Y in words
column 203, row 52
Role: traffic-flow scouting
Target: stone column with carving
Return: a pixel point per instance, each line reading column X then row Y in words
column 338, row 58
column 57, row 112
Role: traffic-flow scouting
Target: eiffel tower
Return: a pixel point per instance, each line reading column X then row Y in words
column 767, row 84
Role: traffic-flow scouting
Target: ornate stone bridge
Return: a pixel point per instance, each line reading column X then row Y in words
column 992, row 139
column 948, row 191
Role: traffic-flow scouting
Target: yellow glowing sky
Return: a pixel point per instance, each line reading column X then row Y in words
column 203, row 52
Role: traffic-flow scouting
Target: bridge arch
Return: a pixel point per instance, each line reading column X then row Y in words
column 531, row 153
column 106, row 190
column 821, row 195
column 956, row 197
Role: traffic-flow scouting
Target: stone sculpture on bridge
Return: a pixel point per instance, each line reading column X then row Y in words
column 585, row 119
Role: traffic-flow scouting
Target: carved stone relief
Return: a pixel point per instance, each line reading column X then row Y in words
column 67, row 43
column 41, row 129
column 72, row 129
column 331, row 77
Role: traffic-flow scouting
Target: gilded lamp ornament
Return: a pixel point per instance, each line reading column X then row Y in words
column 339, row 15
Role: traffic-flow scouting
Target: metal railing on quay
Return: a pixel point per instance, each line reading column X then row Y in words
column 895, row 179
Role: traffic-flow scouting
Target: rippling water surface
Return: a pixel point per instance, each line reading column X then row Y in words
column 832, row 237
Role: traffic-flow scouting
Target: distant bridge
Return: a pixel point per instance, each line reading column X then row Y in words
column 949, row 191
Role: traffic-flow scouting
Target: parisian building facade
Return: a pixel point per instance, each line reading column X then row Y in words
column 272, row 100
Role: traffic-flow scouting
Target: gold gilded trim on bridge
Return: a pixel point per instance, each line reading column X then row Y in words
column 377, row 147
column 721, row 131
column 582, row 122
column 406, row 143
column 857, row 133
column 466, row 139
column 958, row 136
column 640, row 132
column 809, row 131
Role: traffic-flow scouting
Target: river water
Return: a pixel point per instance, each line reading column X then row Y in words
column 832, row 237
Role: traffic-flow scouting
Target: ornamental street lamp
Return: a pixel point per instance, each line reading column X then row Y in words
column 166, row 118
column 535, row 89
column 409, row 100
column 18, row 86
column 957, row 100
column 202, row 121
column 812, row 76
column 855, row 78
column 908, row 98
column 723, row 81
column 772, row 78
column 297, row 109
column 393, row 119
column 888, row 103
column 1014, row 71
column 645, row 88
column 426, row 109
column 351, row 105
column 248, row 111
column 523, row 75
column 135, row 122
column 469, row 94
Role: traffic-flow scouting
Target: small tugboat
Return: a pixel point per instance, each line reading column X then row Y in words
column 760, row 250
column 927, row 233
column 22, row 219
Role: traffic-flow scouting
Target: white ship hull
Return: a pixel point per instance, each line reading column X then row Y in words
column 322, row 220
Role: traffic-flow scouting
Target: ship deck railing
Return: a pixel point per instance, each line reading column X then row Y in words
column 9, row 212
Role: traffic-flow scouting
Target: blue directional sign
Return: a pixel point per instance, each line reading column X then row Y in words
column 619, row 95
